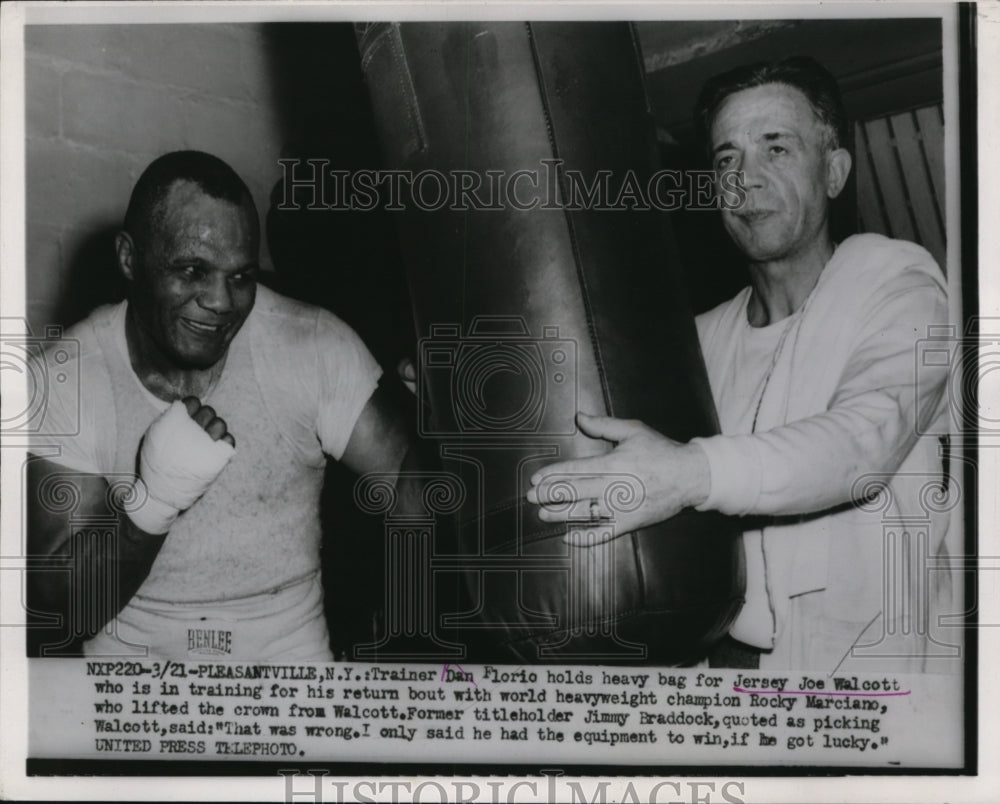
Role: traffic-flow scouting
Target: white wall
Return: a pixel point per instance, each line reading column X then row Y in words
column 103, row 101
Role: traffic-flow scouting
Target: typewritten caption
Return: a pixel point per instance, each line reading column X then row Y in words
column 126, row 709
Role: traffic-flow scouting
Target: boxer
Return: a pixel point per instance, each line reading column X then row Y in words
column 207, row 409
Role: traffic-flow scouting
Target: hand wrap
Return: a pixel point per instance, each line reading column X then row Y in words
column 178, row 461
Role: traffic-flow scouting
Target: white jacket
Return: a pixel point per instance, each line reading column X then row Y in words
column 844, row 410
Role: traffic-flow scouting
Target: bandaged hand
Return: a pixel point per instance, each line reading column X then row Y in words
column 182, row 453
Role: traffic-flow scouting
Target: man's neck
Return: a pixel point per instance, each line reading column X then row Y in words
column 781, row 287
column 155, row 371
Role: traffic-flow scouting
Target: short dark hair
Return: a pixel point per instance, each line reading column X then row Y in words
column 802, row 72
column 213, row 176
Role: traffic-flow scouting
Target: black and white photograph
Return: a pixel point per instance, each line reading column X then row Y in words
column 447, row 402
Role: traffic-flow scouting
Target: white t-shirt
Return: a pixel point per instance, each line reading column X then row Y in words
column 745, row 379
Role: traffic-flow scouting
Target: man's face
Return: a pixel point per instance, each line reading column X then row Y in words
column 773, row 136
column 194, row 276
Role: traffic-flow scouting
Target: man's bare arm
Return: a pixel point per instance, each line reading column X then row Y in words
column 88, row 562
column 381, row 441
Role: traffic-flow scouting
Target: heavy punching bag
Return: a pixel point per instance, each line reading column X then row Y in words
column 533, row 297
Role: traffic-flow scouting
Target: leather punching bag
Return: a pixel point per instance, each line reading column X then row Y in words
column 536, row 304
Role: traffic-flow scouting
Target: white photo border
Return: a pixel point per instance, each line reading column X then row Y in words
column 13, row 677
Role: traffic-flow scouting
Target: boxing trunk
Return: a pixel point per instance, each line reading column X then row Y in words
column 541, row 287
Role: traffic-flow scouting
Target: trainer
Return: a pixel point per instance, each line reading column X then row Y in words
column 208, row 408
column 812, row 368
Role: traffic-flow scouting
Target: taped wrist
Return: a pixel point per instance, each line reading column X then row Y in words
column 147, row 513
column 177, row 463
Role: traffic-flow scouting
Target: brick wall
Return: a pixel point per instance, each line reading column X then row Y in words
column 101, row 103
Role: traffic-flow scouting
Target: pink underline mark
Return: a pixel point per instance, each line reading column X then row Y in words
column 468, row 676
column 822, row 693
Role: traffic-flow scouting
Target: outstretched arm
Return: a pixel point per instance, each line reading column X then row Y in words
column 882, row 402
column 672, row 475
column 872, row 422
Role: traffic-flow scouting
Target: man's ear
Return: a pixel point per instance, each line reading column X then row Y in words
column 125, row 251
column 838, row 167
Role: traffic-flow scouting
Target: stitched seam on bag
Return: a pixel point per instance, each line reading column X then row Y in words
column 571, row 230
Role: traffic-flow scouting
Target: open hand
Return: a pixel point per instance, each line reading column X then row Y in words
column 669, row 476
